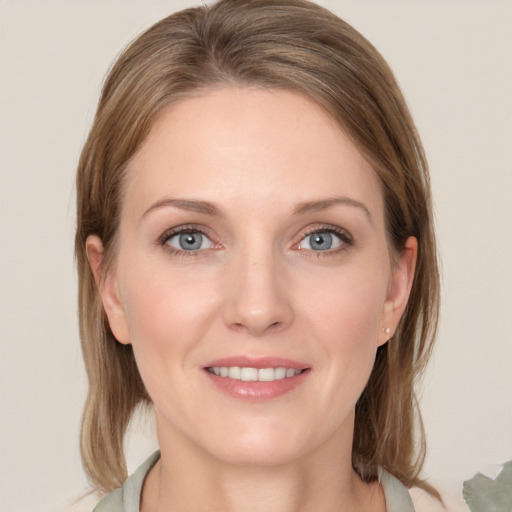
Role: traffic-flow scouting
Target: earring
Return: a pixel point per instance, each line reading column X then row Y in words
column 387, row 330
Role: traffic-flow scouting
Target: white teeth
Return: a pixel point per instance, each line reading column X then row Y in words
column 279, row 373
column 253, row 374
column 248, row 374
column 266, row 374
column 233, row 372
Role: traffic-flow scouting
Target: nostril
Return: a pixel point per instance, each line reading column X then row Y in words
column 256, row 328
column 257, row 309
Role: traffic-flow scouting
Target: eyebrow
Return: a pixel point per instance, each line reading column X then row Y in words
column 192, row 205
column 323, row 204
column 303, row 208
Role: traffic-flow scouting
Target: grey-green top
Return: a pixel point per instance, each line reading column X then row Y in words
column 127, row 497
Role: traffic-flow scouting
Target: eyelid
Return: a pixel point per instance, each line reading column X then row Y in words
column 180, row 230
column 344, row 236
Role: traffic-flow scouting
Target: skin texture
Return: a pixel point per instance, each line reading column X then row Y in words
column 256, row 288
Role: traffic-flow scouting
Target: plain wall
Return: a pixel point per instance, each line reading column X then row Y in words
column 454, row 62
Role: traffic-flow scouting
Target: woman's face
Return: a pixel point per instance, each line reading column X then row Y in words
column 253, row 276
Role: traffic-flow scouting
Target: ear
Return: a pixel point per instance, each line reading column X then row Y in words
column 108, row 289
column 398, row 290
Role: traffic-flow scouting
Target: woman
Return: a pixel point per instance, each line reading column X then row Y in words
column 257, row 261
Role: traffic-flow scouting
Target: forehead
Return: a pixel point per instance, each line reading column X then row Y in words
column 255, row 144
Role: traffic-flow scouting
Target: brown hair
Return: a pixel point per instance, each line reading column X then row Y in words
column 287, row 44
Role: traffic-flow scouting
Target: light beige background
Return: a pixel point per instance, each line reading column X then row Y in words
column 454, row 62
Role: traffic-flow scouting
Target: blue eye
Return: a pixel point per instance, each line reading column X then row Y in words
column 189, row 241
column 322, row 241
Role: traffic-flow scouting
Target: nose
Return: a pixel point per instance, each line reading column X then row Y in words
column 259, row 295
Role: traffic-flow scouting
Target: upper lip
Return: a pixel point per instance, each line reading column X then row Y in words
column 246, row 361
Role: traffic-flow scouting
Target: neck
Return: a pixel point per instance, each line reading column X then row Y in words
column 185, row 478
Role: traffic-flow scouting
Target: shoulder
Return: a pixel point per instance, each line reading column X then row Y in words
column 113, row 502
column 127, row 497
column 397, row 496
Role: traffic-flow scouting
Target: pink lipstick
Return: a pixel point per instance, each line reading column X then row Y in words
column 256, row 378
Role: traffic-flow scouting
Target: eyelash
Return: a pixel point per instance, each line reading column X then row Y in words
column 346, row 240
column 182, row 230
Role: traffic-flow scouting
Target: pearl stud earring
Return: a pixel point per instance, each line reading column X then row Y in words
column 387, row 330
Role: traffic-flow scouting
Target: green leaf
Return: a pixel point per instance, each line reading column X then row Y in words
column 482, row 494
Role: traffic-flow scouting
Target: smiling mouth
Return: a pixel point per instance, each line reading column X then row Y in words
column 254, row 374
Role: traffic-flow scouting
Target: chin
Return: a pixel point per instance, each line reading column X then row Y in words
column 258, row 455
column 263, row 445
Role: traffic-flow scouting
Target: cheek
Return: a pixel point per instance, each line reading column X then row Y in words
column 168, row 314
column 346, row 319
column 158, row 300
column 347, row 308
column 167, row 317
column 347, row 323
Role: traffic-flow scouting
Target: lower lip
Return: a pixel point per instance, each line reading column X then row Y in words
column 254, row 390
